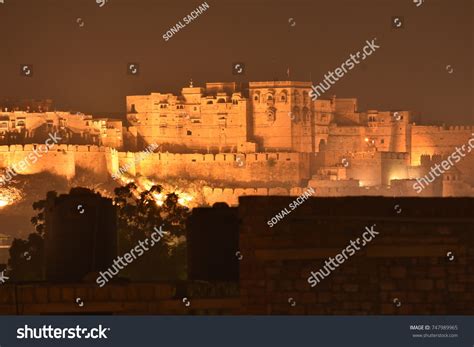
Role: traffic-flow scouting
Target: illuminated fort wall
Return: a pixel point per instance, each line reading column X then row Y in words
column 64, row 160
column 237, row 169
column 434, row 140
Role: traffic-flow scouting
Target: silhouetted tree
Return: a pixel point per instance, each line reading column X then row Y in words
column 138, row 216
column 26, row 261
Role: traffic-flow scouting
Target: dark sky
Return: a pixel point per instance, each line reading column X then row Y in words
column 84, row 68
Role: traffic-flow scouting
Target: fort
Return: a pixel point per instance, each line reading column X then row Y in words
column 258, row 138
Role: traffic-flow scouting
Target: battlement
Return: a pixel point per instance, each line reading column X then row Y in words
column 55, row 148
column 45, row 114
column 279, row 84
column 427, row 160
column 239, row 169
column 363, row 155
column 395, row 155
column 461, row 128
column 219, row 158
column 432, row 129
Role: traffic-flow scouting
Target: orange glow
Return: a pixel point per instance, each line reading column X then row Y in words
column 143, row 183
column 9, row 196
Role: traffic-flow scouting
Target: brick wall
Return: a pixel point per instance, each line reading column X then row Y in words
column 404, row 270
column 116, row 298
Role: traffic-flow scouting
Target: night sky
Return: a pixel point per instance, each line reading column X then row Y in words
column 85, row 68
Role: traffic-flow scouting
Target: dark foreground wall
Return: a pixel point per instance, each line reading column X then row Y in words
column 171, row 298
column 81, row 234
column 212, row 242
column 406, row 269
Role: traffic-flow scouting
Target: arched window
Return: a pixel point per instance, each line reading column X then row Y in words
column 295, row 114
column 306, row 114
column 322, row 145
column 305, row 97
column 271, row 114
column 296, row 97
